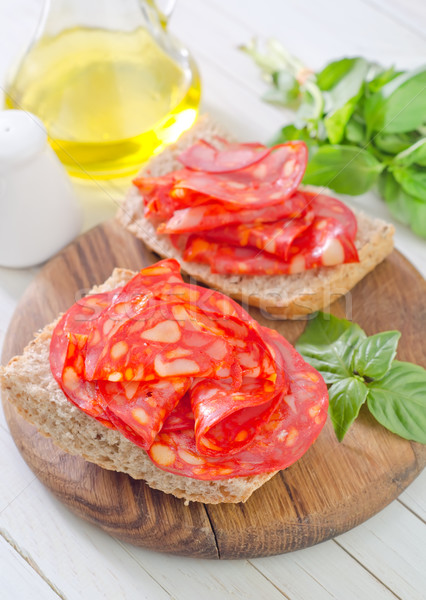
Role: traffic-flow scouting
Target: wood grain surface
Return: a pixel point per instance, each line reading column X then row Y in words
column 330, row 490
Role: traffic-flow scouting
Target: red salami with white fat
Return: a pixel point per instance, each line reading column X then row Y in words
column 213, row 215
column 236, row 208
column 265, row 183
column 203, row 156
column 186, row 374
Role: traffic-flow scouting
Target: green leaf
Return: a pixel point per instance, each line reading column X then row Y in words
column 393, row 143
column 399, row 105
column 345, row 169
column 412, row 180
column 336, row 120
column 355, row 131
column 396, row 199
column 415, row 154
column 418, row 216
column 405, row 208
column 334, row 71
column 344, row 89
column 290, row 133
column 346, row 398
column 381, row 78
column 398, row 401
column 374, row 355
column 328, row 344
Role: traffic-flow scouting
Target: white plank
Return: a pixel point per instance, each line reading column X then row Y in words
column 74, row 556
column 191, row 579
column 237, row 109
column 322, row 572
column 392, row 545
column 13, row 469
column 18, row 24
column 19, row 580
column 410, row 12
column 415, row 496
column 320, row 31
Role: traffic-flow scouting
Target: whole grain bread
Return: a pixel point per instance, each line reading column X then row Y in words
column 27, row 383
column 286, row 295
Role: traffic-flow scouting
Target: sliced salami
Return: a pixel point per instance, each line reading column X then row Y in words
column 203, row 156
column 186, row 374
column 266, row 183
column 281, row 440
column 276, row 238
column 138, row 410
column 214, row 215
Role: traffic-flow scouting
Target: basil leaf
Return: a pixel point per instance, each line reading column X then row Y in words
column 398, row 401
column 333, row 72
column 355, row 131
column 346, row 398
column 417, row 216
column 345, row 169
column 290, row 133
column 336, row 120
column 374, row 355
column 405, row 208
column 328, row 344
column 393, row 143
column 381, row 78
column 415, row 154
column 342, row 97
column 399, row 105
column 412, row 180
column 396, row 199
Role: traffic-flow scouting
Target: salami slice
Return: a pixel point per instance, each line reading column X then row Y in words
column 186, row 374
column 181, row 417
column 276, row 238
column 67, row 349
column 282, row 439
column 203, row 156
column 235, row 260
column 162, row 343
column 138, row 410
column 213, row 215
column 227, row 421
column 266, row 183
column 328, row 207
column 137, row 295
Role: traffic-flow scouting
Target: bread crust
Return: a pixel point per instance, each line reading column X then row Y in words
column 288, row 296
column 28, row 384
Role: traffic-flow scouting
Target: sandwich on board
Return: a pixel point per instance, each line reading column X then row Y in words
column 177, row 384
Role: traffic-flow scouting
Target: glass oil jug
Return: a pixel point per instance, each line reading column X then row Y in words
column 109, row 82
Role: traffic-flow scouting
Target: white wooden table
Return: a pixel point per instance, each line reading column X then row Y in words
column 45, row 551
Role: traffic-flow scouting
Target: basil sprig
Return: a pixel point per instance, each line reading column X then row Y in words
column 363, row 124
column 361, row 369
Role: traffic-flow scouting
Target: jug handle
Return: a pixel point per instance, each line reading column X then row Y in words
column 163, row 8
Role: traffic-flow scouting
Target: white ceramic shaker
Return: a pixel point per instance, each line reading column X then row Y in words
column 39, row 213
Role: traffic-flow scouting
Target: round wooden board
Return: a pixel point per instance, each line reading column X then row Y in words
column 330, row 490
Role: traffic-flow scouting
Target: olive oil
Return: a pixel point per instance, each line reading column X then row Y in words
column 109, row 99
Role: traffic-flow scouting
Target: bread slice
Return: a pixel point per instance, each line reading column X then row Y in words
column 286, row 295
column 28, row 384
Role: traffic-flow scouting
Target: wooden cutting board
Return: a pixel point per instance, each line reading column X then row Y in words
column 330, row 490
